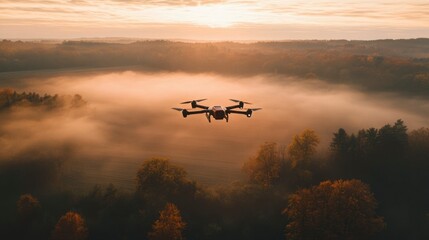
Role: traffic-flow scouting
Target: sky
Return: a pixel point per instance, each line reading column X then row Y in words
column 214, row 19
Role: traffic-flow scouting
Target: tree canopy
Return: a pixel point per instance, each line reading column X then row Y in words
column 265, row 167
column 9, row 98
column 158, row 178
column 71, row 226
column 342, row 209
column 28, row 206
column 169, row 226
column 303, row 146
column 391, row 160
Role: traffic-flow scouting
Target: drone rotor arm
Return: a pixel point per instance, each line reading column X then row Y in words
column 236, row 112
column 197, row 112
column 201, row 106
column 232, row 107
column 247, row 112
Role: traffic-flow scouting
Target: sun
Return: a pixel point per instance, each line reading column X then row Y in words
column 215, row 16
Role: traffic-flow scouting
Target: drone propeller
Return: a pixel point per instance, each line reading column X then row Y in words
column 184, row 111
column 250, row 111
column 238, row 101
column 199, row 100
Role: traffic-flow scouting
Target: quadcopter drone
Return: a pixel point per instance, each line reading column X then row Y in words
column 218, row 112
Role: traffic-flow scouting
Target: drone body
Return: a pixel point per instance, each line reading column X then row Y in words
column 217, row 112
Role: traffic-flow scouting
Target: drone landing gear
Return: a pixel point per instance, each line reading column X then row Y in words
column 208, row 117
column 226, row 118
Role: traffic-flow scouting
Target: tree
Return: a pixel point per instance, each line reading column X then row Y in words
column 393, row 140
column 160, row 180
column 169, row 226
column 419, row 143
column 342, row 209
column 71, row 226
column 29, row 217
column 418, row 167
column 303, row 146
column 265, row 167
column 340, row 143
column 28, row 207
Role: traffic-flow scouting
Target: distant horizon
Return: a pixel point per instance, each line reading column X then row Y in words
column 215, row 20
column 132, row 39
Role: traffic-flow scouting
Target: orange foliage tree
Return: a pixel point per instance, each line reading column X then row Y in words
column 71, row 226
column 169, row 226
column 265, row 167
column 342, row 209
column 303, row 146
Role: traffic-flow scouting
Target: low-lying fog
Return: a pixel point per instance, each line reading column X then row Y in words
column 129, row 118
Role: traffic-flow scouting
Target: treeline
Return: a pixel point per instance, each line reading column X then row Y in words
column 373, row 185
column 10, row 98
column 385, row 65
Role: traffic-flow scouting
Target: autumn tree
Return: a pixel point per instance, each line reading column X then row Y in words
column 71, row 226
column 303, row 146
column 159, row 180
column 28, row 207
column 29, row 217
column 265, row 167
column 342, row 209
column 169, row 226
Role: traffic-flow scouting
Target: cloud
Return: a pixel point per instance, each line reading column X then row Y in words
column 411, row 11
column 170, row 2
column 267, row 12
column 282, row 18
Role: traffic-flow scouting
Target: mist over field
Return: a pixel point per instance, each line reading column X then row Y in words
column 128, row 119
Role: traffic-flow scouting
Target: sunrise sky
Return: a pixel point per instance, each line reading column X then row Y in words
column 214, row 19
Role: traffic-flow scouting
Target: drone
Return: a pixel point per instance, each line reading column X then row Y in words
column 217, row 112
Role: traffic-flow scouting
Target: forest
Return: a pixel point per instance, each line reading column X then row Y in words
column 371, row 185
column 399, row 66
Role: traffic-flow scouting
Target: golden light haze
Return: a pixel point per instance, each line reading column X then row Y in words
column 214, row 19
column 129, row 118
